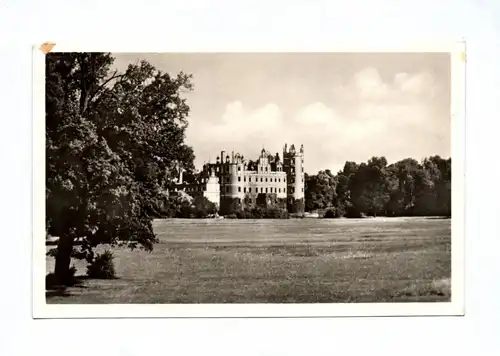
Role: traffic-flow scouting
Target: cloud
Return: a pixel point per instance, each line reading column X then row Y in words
column 366, row 116
column 238, row 121
column 316, row 113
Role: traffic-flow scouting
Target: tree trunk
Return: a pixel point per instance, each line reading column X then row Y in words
column 63, row 258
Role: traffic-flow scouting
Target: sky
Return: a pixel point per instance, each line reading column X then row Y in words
column 340, row 106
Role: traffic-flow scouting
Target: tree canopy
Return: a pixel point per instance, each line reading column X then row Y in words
column 374, row 188
column 113, row 141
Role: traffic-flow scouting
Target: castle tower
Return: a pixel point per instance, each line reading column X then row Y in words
column 212, row 189
column 293, row 165
column 234, row 183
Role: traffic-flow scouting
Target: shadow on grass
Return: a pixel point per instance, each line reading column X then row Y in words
column 54, row 288
column 62, row 292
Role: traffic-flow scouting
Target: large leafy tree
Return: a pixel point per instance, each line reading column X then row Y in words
column 113, row 141
column 320, row 190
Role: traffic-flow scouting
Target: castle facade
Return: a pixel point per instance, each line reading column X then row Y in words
column 233, row 182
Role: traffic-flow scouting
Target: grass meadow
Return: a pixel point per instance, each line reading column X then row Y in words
column 278, row 261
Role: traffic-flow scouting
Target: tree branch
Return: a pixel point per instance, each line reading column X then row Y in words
column 107, row 81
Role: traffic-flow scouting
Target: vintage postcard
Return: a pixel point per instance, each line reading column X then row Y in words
column 257, row 183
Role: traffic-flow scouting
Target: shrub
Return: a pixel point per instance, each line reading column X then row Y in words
column 353, row 213
column 102, row 267
column 332, row 214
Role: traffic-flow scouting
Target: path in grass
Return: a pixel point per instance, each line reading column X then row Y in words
column 307, row 260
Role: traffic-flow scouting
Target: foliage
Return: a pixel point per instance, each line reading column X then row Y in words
column 204, row 207
column 113, row 141
column 102, row 266
column 179, row 207
column 320, row 190
column 262, row 213
column 332, row 213
column 374, row 188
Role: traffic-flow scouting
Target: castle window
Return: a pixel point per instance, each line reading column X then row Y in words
column 261, row 179
column 244, row 190
column 239, row 189
column 266, row 179
column 256, row 190
column 302, row 169
column 279, row 180
column 239, row 168
column 227, row 179
column 261, row 189
column 239, row 179
column 279, row 190
column 266, row 169
column 266, row 190
column 244, row 179
column 302, row 190
column 284, row 179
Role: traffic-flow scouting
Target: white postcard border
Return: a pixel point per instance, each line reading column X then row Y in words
column 41, row 309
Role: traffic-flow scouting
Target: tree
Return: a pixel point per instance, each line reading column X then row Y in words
column 112, row 142
column 320, row 190
column 252, row 165
column 435, row 198
column 203, row 207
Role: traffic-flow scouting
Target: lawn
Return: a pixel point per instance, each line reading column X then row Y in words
column 279, row 261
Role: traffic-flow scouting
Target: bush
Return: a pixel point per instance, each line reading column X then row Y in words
column 353, row 213
column 332, row 214
column 262, row 213
column 102, row 267
column 275, row 213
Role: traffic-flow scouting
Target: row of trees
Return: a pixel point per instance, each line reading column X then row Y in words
column 374, row 188
column 113, row 140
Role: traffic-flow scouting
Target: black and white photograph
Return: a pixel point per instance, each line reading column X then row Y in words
column 251, row 178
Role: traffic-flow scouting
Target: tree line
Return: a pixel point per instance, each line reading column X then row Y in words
column 374, row 188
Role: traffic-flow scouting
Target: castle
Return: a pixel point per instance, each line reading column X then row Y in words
column 233, row 182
